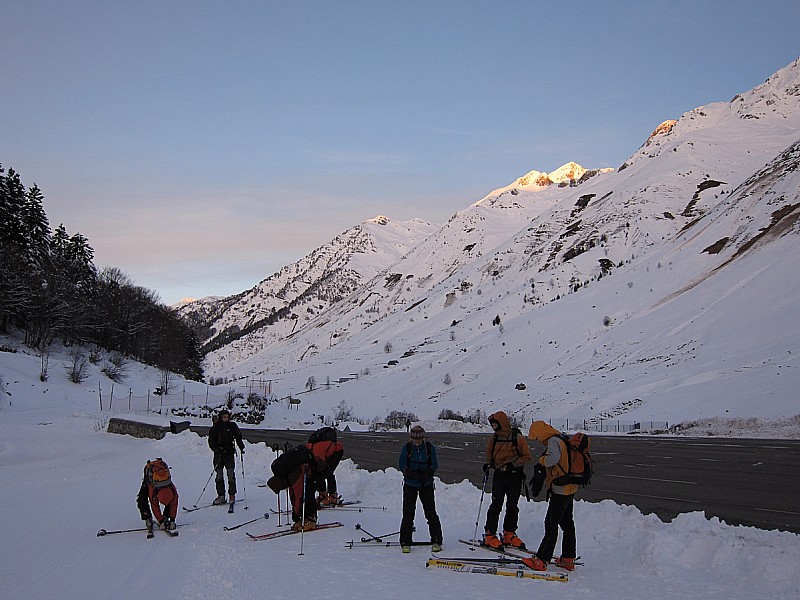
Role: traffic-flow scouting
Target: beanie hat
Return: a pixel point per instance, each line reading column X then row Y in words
column 224, row 412
column 417, row 433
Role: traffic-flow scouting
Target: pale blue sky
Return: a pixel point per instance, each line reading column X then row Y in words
column 200, row 146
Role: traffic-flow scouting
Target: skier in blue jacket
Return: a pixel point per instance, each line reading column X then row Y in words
column 418, row 464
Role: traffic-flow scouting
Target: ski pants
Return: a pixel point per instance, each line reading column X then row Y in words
column 506, row 486
column 227, row 462
column 559, row 514
column 302, row 492
column 143, row 502
column 330, row 477
column 426, row 496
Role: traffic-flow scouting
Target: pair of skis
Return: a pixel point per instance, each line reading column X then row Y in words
column 343, row 505
column 284, row 532
column 515, row 553
column 464, row 566
column 510, row 564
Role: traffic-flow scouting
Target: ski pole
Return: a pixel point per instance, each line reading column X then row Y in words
column 103, row 532
column 354, row 544
column 276, row 449
column 303, row 514
column 279, row 509
column 266, row 516
column 480, row 507
column 244, row 483
column 206, row 485
column 355, row 508
column 377, row 538
column 371, row 536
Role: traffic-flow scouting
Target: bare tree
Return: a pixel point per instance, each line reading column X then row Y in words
column 77, row 367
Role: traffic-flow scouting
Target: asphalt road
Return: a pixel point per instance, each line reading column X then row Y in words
column 740, row 481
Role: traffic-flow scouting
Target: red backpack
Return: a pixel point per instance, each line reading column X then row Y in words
column 581, row 465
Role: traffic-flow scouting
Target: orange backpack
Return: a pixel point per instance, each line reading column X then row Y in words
column 581, row 465
column 158, row 473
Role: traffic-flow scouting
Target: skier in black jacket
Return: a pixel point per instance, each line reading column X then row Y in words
column 221, row 438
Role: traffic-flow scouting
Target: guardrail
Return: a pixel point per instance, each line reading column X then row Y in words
column 605, row 425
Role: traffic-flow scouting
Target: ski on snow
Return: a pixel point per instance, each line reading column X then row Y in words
column 461, row 566
column 283, row 532
column 515, row 554
column 340, row 504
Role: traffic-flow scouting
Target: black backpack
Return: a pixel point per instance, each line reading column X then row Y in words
column 286, row 468
column 323, row 434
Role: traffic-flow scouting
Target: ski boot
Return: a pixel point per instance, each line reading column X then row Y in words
column 492, row 541
column 535, row 563
column 565, row 563
column 510, row 539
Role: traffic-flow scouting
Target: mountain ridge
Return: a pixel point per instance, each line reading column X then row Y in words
column 529, row 267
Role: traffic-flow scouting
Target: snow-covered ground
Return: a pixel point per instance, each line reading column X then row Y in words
column 64, row 478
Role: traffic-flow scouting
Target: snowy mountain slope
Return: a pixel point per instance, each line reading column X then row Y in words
column 278, row 303
column 616, row 296
column 467, row 235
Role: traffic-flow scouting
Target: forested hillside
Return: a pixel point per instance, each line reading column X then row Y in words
column 51, row 291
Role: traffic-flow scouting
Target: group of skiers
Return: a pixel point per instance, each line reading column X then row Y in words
column 507, row 454
column 307, row 471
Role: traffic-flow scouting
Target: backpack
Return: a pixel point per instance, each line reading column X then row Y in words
column 581, row 465
column 421, row 476
column 286, row 468
column 158, row 474
column 291, row 460
column 515, row 431
column 324, row 434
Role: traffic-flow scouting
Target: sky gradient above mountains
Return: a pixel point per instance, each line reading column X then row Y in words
column 201, row 147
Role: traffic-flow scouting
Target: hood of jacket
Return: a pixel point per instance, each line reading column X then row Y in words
column 505, row 423
column 541, row 432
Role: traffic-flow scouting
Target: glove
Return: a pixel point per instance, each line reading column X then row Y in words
column 537, row 481
column 486, row 467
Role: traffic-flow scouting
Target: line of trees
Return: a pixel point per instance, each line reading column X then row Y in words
column 51, row 290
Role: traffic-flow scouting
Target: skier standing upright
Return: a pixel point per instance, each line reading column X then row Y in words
column 561, row 500
column 507, row 453
column 418, row 464
column 221, row 438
